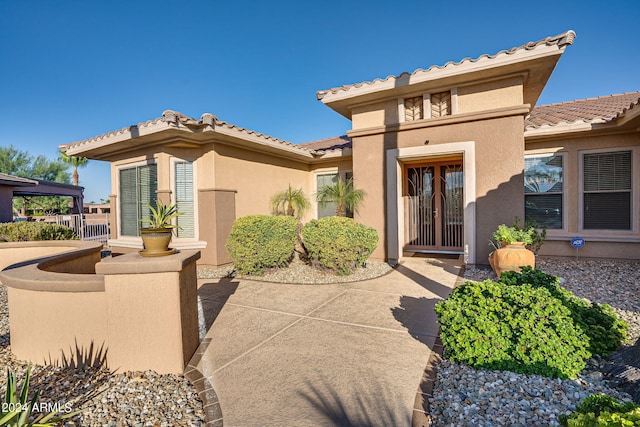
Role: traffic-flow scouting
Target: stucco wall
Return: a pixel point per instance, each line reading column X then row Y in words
column 499, row 151
column 256, row 177
column 490, row 95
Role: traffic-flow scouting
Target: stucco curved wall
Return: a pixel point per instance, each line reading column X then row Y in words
column 56, row 305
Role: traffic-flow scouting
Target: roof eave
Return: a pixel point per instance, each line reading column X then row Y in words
column 456, row 73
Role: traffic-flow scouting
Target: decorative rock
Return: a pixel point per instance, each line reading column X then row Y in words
column 506, row 398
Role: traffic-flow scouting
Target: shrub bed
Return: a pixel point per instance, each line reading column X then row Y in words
column 35, row 231
column 602, row 410
column 522, row 329
column 258, row 242
column 339, row 244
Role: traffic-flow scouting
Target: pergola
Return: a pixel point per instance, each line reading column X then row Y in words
column 11, row 186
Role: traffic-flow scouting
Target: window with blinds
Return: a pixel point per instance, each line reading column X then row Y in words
column 184, row 199
column 543, row 190
column 138, row 190
column 607, row 191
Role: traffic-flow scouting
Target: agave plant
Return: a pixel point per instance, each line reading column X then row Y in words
column 162, row 215
column 16, row 410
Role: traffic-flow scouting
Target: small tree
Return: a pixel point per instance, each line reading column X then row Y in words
column 76, row 162
column 343, row 195
column 292, row 202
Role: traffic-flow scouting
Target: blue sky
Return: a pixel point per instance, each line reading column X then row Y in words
column 76, row 69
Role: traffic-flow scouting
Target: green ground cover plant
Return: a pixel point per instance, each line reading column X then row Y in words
column 526, row 323
column 521, row 329
column 338, row 244
column 35, row 231
column 606, row 331
column 602, row 410
column 259, row 242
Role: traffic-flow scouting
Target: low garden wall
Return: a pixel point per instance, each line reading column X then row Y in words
column 140, row 312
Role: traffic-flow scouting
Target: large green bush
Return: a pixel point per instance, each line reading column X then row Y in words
column 599, row 322
column 35, row 231
column 339, row 244
column 602, row 410
column 258, row 242
column 522, row 329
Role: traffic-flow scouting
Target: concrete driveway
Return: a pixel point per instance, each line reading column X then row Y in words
column 323, row 355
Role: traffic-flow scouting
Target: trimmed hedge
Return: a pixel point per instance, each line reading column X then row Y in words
column 599, row 322
column 259, row 242
column 339, row 244
column 522, row 329
column 35, row 231
column 602, row 410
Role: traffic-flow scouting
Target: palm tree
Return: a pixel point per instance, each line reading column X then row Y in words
column 76, row 162
column 292, row 202
column 343, row 195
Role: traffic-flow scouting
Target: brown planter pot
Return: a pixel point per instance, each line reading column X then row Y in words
column 511, row 258
column 156, row 241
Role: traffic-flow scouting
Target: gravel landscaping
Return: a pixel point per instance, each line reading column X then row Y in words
column 301, row 273
column 463, row 396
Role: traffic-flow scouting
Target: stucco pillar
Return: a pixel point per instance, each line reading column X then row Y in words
column 216, row 213
column 152, row 310
column 113, row 218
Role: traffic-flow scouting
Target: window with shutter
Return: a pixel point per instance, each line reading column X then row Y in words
column 138, row 190
column 413, row 109
column 441, row 104
column 185, row 199
column 543, row 190
column 607, row 191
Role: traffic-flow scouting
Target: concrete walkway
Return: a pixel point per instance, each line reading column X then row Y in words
column 323, row 355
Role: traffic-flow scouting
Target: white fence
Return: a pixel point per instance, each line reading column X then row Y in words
column 93, row 227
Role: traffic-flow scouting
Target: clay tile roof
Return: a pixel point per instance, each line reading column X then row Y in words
column 592, row 110
column 333, row 143
column 560, row 40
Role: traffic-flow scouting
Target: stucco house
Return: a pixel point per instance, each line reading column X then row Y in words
column 445, row 155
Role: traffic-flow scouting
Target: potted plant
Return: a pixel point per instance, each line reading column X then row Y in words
column 512, row 235
column 157, row 236
column 511, row 253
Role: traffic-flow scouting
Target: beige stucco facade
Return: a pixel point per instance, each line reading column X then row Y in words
column 482, row 128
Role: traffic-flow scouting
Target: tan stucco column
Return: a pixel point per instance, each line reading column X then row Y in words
column 152, row 309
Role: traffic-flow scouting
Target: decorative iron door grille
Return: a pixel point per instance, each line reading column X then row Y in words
column 434, row 207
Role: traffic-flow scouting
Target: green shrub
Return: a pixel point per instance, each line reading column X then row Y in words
column 602, row 410
column 522, row 329
column 339, row 244
column 258, row 242
column 599, row 322
column 35, row 231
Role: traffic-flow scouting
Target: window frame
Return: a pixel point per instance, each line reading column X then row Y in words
column 635, row 197
column 331, row 171
column 565, row 186
column 172, row 182
column 119, row 194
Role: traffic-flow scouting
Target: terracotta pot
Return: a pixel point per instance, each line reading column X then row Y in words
column 511, row 258
column 156, row 241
